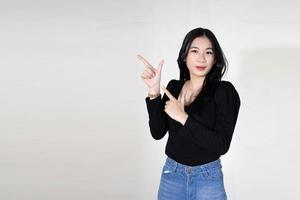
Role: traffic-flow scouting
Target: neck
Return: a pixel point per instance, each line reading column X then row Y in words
column 196, row 82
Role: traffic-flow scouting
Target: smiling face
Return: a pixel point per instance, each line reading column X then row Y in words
column 200, row 57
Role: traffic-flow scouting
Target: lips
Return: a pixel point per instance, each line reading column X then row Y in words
column 200, row 67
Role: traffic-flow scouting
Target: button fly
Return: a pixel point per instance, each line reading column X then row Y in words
column 189, row 170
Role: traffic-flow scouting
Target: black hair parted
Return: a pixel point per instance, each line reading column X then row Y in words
column 218, row 69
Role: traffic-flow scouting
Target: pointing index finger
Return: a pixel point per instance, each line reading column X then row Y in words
column 145, row 62
column 168, row 93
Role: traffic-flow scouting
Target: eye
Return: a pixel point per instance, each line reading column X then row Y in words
column 194, row 51
column 209, row 52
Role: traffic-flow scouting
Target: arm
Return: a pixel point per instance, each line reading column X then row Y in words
column 158, row 118
column 218, row 139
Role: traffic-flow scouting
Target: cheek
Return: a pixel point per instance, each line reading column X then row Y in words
column 189, row 66
column 190, row 60
column 211, row 60
column 209, row 68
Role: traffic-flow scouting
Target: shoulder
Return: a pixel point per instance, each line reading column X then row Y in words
column 225, row 86
column 225, row 89
column 172, row 83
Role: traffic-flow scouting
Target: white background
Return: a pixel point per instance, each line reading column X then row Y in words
column 73, row 119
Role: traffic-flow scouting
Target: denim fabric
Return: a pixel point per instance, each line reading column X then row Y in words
column 182, row 182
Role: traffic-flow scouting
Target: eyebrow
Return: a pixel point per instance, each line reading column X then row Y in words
column 198, row 48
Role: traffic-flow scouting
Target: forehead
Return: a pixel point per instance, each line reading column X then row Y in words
column 201, row 43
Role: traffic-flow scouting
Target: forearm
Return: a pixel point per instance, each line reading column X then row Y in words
column 217, row 141
column 158, row 122
column 158, row 127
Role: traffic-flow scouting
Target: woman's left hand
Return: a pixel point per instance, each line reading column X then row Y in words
column 175, row 108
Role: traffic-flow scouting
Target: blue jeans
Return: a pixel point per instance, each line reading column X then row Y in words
column 182, row 182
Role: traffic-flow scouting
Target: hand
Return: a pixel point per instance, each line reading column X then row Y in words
column 175, row 108
column 151, row 76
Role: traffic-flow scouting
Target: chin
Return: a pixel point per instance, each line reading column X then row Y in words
column 201, row 74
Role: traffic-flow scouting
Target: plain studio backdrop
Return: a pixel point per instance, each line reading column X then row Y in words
column 73, row 118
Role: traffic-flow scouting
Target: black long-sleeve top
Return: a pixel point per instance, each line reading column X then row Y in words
column 208, row 130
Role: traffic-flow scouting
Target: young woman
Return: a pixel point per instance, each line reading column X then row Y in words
column 199, row 111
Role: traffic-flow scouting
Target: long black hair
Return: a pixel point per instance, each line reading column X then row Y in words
column 218, row 69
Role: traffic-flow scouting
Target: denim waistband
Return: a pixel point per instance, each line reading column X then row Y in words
column 178, row 167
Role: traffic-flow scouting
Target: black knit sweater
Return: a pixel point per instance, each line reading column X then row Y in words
column 208, row 130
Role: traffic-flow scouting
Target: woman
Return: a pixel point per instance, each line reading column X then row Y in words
column 199, row 111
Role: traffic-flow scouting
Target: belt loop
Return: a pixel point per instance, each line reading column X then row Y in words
column 175, row 166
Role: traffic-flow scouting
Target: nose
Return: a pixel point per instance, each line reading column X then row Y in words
column 201, row 57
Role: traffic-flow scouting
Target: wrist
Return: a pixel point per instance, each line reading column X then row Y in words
column 184, row 118
column 154, row 91
column 153, row 96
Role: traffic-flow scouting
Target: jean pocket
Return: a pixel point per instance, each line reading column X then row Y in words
column 213, row 173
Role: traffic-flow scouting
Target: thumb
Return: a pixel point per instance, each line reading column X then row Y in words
column 160, row 66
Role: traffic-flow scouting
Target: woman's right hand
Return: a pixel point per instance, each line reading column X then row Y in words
column 151, row 76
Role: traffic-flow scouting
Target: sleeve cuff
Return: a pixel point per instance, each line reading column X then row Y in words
column 153, row 105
